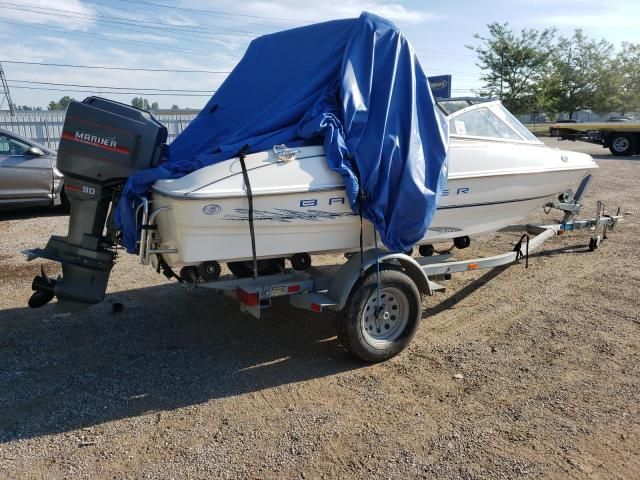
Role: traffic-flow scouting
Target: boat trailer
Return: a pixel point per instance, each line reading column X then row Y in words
column 374, row 292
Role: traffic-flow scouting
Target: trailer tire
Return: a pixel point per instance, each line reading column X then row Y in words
column 622, row 144
column 269, row 266
column 376, row 340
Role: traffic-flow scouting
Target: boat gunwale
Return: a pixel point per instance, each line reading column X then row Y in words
column 195, row 196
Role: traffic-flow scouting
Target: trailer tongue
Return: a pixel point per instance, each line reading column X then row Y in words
column 102, row 144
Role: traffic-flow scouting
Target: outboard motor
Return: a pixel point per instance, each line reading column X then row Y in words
column 103, row 143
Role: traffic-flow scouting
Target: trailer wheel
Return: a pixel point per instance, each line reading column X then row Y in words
column 375, row 338
column 622, row 144
column 269, row 266
column 461, row 242
column 426, row 250
column 209, row 271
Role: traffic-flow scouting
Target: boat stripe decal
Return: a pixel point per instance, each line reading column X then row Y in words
column 466, row 205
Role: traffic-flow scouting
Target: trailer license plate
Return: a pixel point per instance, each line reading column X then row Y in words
column 277, row 291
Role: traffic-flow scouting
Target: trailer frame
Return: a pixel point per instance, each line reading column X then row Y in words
column 316, row 291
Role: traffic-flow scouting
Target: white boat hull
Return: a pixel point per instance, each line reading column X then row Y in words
column 300, row 206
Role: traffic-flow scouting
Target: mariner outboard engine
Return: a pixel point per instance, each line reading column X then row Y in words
column 103, row 143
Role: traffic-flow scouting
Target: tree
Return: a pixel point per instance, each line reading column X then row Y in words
column 61, row 104
column 513, row 63
column 627, row 67
column 155, row 106
column 581, row 76
column 141, row 103
column 175, row 107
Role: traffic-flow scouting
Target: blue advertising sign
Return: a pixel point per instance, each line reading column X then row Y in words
column 440, row 86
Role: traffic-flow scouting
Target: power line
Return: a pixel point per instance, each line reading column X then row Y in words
column 113, row 93
column 108, row 21
column 120, row 40
column 114, row 36
column 103, row 67
column 189, row 28
column 154, row 25
column 457, row 75
column 104, row 87
column 215, row 12
column 151, row 94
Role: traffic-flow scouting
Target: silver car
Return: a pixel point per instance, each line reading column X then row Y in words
column 28, row 174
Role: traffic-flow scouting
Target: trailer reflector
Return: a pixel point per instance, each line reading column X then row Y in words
column 315, row 307
column 293, row 288
column 249, row 299
column 473, row 266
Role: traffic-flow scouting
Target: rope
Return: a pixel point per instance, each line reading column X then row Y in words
column 375, row 243
column 361, row 197
column 518, row 250
column 241, row 155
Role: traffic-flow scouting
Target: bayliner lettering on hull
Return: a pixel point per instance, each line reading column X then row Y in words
column 458, row 191
column 312, row 202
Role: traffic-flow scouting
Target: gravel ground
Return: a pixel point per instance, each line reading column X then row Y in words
column 182, row 385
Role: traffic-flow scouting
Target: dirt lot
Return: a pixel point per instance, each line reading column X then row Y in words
column 181, row 385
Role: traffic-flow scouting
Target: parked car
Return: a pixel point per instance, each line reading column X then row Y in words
column 28, row 174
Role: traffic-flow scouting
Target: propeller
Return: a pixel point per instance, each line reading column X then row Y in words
column 43, row 288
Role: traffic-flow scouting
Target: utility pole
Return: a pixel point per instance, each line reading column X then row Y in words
column 5, row 93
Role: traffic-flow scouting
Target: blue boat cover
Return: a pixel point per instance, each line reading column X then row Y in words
column 354, row 85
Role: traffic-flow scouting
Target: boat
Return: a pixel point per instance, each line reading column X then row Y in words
column 229, row 190
column 498, row 174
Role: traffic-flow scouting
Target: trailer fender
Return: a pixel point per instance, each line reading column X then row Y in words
column 349, row 274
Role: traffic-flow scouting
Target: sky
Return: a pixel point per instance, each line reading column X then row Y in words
column 212, row 36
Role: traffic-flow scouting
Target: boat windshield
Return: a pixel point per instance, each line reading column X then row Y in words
column 507, row 117
column 490, row 120
column 450, row 106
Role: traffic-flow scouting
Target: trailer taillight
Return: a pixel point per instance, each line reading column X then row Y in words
column 249, row 299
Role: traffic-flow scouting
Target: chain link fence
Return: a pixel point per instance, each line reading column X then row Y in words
column 45, row 127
